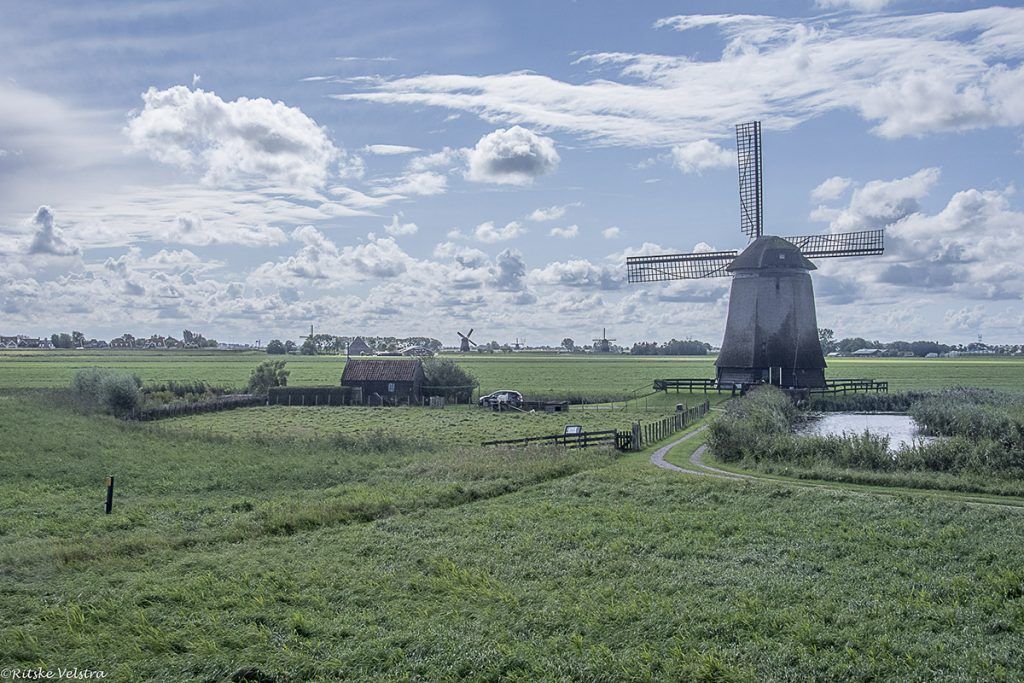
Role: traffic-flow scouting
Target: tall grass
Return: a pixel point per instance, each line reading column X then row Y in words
column 983, row 430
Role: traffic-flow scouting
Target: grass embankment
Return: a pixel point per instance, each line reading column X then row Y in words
column 611, row 572
column 983, row 450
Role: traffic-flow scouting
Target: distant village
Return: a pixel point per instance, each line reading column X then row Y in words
column 328, row 344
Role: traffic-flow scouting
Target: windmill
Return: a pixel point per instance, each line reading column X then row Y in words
column 771, row 333
column 520, row 344
column 466, row 341
column 604, row 344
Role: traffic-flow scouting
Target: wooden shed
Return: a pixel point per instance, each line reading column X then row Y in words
column 391, row 381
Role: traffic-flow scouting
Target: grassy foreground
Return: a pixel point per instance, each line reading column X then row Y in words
column 227, row 559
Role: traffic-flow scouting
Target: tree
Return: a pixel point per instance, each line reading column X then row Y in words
column 78, row 339
column 445, row 377
column 276, row 348
column 269, row 373
column 289, row 346
column 827, row 339
column 568, row 344
column 308, row 347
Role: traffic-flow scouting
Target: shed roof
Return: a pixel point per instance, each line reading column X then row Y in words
column 403, row 370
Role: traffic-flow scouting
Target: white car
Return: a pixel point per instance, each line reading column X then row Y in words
column 504, row 397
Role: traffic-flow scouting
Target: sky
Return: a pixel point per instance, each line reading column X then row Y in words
column 247, row 169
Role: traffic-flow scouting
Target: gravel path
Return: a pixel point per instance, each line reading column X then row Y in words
column 700, row 469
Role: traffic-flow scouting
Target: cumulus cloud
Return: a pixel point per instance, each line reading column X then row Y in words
column 487, row 233
column 48, row 238
column 510, row 271
column 513, row 156
column 238, row 142
column 611, row 233
column 466, row 257
column 446, row 158
column 701, row 155
column 579, row 273
column 883, row 202
column 397, row 227
column 830, row 189
column 424, row 184
column 566, row 233
column 908, row 74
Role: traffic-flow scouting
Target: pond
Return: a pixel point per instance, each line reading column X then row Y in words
column 901, row 429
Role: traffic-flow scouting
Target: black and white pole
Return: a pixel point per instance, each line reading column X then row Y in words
column 110, row 494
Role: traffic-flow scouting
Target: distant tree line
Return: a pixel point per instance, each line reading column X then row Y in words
column 847, row 345
column 329, row 344
column 673, row 347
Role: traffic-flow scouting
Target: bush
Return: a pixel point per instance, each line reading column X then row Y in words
column 269, row 373
column 276, row 348
column 445, row 377
column 116, row 392
column 119, row 393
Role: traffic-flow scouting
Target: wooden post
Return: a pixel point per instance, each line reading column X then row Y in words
column 634, row 441
column 110, row 495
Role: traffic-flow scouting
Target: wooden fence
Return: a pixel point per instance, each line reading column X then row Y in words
column 611, row 437
column 177, row 409
column 834, row 387
column 652, row 432
column 633, row 439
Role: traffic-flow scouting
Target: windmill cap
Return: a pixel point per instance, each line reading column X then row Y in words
column 769, row 251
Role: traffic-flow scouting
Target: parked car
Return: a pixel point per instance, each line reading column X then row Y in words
column 504, row 397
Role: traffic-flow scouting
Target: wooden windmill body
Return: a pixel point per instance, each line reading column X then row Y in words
column 771, row 333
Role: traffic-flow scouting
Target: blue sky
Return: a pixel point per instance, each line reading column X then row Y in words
column 420, row 167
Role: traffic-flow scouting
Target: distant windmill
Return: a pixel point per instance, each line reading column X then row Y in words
column 604, row 344
column 520, row 343
column 466, row 341
column 307, row 336
column 771, row 334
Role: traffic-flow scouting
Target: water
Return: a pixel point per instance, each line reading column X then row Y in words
column 901, row 429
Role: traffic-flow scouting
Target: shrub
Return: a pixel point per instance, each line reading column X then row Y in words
column 445, row 377
column 119, row 393
column 276, row 348
column 116, row 392
column 269, row 373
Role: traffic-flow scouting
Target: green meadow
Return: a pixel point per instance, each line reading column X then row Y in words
column 290, row 544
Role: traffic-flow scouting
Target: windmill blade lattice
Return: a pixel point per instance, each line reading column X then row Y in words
column 748, row 159
column 678, row 266
column 862, row 243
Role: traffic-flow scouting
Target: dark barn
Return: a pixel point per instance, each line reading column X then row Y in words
column 388, row 381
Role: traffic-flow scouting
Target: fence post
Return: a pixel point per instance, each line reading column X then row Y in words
column 634, row 441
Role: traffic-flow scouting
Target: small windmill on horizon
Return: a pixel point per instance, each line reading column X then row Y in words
column 466, row 341
column 604, row 344
column 771, row 333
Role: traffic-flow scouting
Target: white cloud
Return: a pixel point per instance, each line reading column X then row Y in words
column 910, row 74
column 423, row 184
column 883, row 202
column 832, row 188
column 446, row 158
column 49, row 239
column 611, row 233
column 513, row 156
column 390, row 150
column 859, row 5
column 701, row 155
column 550, row 213
column 487, row 233
column 231, row 143
column 567, row 232
column 397, row 227
column 580, row 273
column 467, row 257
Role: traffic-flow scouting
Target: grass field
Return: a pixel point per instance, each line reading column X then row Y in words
column 289, row 545
column 538, row 374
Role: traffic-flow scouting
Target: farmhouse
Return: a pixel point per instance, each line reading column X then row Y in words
column 385, row 381
column 358, row 347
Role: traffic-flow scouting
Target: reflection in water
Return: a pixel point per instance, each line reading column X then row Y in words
column 901, row 429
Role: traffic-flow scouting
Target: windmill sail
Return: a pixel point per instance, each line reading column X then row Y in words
column 748, row 158
column 863, row 243
column 678, row 266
